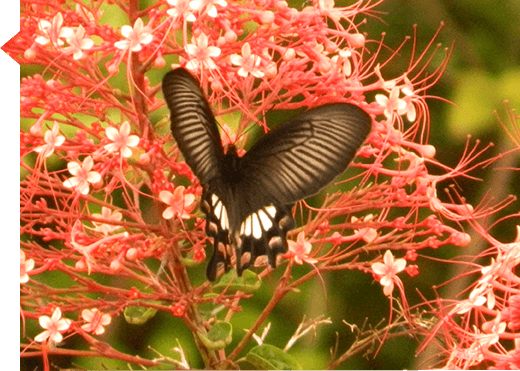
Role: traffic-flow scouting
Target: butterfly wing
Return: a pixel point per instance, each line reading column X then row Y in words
column 301, row 156
column 292, row 162
column 193, row 124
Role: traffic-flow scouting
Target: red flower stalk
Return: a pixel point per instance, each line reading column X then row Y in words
column 484, row 329
column 128, row 197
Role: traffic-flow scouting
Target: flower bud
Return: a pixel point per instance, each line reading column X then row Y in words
column 289, row 54
column 356, row 40
column 115, row 265
column 267, row 17
column 131, row 254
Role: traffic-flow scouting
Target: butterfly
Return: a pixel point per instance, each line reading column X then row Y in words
column 248, row 200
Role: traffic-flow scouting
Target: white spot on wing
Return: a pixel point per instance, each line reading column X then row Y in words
column 247, row 223
column 256, row 223
column 220, row 212
column 271, row 210
column 257, row 228
column 218, row 209
column 224, row 222
column 264, row 219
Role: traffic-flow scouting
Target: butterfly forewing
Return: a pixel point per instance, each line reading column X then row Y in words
column 193, row 124
column 306, row 153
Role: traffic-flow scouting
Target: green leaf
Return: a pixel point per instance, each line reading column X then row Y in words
column 248, row 283
column 138, row 315
column 219, row 336
column 269, row 357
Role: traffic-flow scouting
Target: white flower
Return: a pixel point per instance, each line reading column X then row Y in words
column 388, row 271
column 82, row 175
column 248, row 62
column 300, row 250
column 78, row 42
column 367, row 234
column 25, row 266
column 201, row 53
column 392, row 103
column 54, row 326
column 342, row 60
column 52, row 31
column 181, row 8
column 177, row 203
column 122, row 141
column 52, row 140
column 96, row 320
column 211, row 9
column 135, row 36
column 106, row 213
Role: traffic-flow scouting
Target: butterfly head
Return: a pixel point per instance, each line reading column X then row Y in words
column 230, row 150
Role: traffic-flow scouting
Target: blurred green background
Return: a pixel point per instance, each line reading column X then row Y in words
column 483, row 71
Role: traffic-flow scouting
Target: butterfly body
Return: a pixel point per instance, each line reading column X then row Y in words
column 252, row 226
column 247, row 200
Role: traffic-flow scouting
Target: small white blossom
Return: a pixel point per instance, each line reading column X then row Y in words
column 135, row 37
column 201, row 53
column 54, row 326
column 52, row 32
column 82, row 175
column 122, row 140
column 52, row 140
column 78, row 43
column 388, row 271
column 248, row 62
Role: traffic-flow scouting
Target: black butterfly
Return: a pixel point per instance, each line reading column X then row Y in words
column 247, row 200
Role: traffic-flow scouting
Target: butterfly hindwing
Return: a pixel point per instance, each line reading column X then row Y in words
column 264, row 233
column 261, row 233
column 193, row 124
column 303, row 155
column 217, row 227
